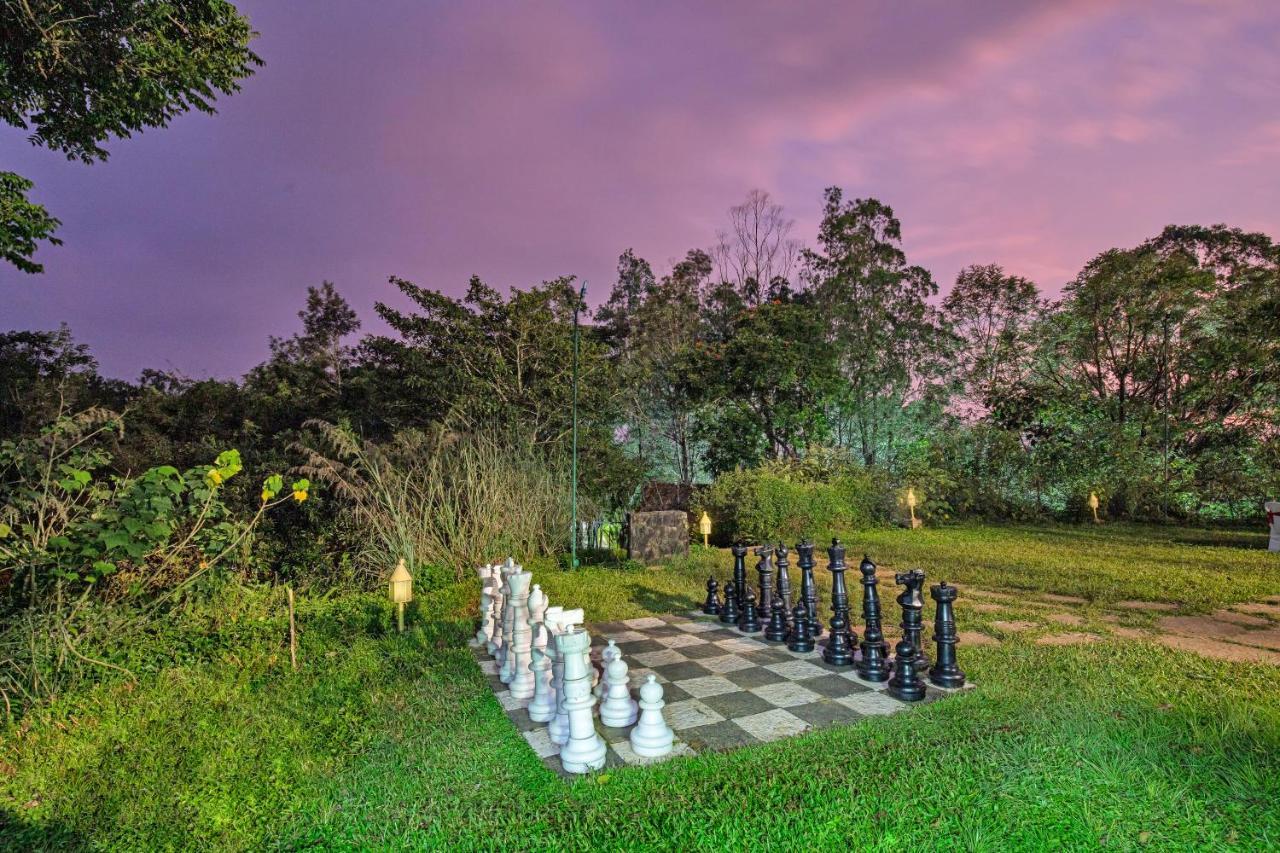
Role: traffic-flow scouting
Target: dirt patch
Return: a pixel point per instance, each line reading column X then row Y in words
column 1268, row 639
column 1066, row 619
column 1246, row 619
column 1155, row 606
column 1220, row 650
column 1263, row 609
column 1014, row 625
column 977, row 638
column 1064, row 599
column 982, row 607
column 1072, row 638
column 1131, row 633
column 1200, row 626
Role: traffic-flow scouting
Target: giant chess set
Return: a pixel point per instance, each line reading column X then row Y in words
column 749, row 667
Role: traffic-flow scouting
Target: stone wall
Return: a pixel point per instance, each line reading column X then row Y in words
column 654, row 536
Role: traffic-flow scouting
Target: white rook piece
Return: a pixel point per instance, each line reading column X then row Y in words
column 585, row 750
column 652, row 737
column 558, row 728
column 521, row 680
column 619, row 709
column 1273, row 521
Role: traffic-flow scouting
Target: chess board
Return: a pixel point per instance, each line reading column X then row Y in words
column 723, row 689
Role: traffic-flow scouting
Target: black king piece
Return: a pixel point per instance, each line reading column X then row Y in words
column 912, row 600
column 874, row 664
column 945, row 673
column 808, row 589
column 783, row 591
column 764, row 568
column 839, row 648
column 739, row 574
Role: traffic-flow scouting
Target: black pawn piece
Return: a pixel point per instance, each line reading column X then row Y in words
column 808, row 588
column 872, row 666
column 729, row 612
column 750, row 621
column 912, row 601
column 776, row 630
column 944, row 672
column 711, row 606
column 739, row 573
column 839, row 649
column 905, row 684
column 783, row 590
column 801, row 638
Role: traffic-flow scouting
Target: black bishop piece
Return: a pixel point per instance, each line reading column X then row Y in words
column 873, row 665
column 808, row 589
column 839, row 649
column 783, row 590
column 764, row 568
column 739, row 574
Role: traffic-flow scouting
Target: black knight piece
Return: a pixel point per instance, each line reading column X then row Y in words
column 808, row 589
column 839, row 649
column 801, row 638
column 739, row 574
column 711, row 606
column 729, row 612
column 783, row 590
column 912, row 601
column 750, row 621
column 873, row 665
column 905, row 684
column 764, row 568
column 945, row 672
column 776, row 630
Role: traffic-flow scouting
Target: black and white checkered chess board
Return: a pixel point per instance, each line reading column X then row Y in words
column 723, row 689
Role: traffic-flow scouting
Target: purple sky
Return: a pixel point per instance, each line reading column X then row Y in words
column 521, row 141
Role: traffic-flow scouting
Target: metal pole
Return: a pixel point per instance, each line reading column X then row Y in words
column 573, row 540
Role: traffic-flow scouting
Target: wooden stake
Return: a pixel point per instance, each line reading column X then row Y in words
column 293, row 634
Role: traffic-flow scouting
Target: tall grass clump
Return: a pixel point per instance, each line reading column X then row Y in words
column 442, row 500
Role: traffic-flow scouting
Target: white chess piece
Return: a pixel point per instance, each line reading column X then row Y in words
column 543, row 707
column 585, row 750
column 502, row 630
column 652, row 737
column 609, row 655
column 619, row 710
column 559, row 620
column 537, row 613
column 484, row 634
column 521, row 677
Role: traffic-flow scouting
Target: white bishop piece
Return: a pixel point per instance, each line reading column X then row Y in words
column 652, row 737
column 543, row 707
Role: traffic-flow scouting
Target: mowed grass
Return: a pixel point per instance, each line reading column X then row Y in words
column 386, row 741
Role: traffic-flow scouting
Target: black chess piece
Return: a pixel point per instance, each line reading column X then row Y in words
column 872, row 665
column 711, row 606
column 783, row 590
column 912, row 602
column 839, row 649
column 776, row 630
column 739, row 573
column 905, row 684
column 801, row 638
column 729, row 611
column 764, row 568
column 808, row 589
column 945, row 672
column 750, row 621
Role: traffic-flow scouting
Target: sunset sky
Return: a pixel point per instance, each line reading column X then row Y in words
column 522, row 141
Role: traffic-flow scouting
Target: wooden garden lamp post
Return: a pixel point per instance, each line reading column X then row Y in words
column 704, row 526
column 1093, row 505
column 401, row 589
column 911, row 507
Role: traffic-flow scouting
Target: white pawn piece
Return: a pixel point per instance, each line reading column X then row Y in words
column 619, row 710
column 610, row 654
column 484, row 635
column 585, row 750
column 652, row 737
column 537, row 613
column 558, row 728
column 521, row 682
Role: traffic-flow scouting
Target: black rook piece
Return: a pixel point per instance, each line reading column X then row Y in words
column 839, row 650
column 873, row 666
column 739, row 574
column 808, row 589
column 800, row 639
column 905, row 684
column 776, row 630
column 729, row 612
column 784, row 583
column 944, row 672
column 750, row 621
column 912, row 602
column 712, row 605
column 765, row 569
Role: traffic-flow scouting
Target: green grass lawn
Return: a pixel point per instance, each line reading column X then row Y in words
column 395, row 741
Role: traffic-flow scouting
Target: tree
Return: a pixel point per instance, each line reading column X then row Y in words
column 890, row 342
column 992, row 314
column 76, row 73
column 756, row 255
